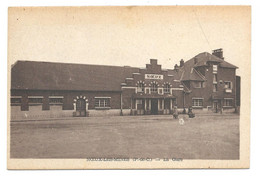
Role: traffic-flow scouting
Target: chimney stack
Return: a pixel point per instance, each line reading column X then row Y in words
column 176, row 67
column 218, row 53
column 153, row 61
column 181, row 63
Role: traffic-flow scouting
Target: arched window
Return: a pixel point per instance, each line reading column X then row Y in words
column 154, row 88
column 166, row 88
column 140, row 87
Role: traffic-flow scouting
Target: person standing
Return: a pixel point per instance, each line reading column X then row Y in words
column 190, row 113
column 175, row 112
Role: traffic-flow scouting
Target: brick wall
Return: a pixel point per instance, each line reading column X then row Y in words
column 126, row 98
column 68, row 98
column 224, row 74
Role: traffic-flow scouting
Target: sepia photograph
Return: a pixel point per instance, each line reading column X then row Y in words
column 134, row 87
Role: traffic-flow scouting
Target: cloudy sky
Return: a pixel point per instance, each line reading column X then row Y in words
column 128, row 35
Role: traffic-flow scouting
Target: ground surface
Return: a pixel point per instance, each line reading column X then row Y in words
column 204, row 137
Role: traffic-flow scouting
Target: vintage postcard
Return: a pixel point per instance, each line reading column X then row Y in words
column 138, row 87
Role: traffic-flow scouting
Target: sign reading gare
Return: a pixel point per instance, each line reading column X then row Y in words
column 153, row 76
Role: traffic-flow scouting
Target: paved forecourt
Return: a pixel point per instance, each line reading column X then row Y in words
column 204, row 137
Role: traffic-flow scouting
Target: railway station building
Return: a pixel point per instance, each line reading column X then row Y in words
column 206, row 82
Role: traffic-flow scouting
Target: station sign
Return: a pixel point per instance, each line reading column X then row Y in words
column 153, row 76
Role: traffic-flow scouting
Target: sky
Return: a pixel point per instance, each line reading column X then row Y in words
column 129, row 35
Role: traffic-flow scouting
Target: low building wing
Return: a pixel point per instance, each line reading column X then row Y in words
column 63, row 76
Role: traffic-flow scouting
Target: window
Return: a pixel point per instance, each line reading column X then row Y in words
column 198, row 84
column 174, row 102
column 215, row 80
column 55, row 100
column 215, row 68
column 102, row 102
column 228, row 102
column 228, row 85
column 35, row 99
column 160, row 91
column 154, row 88
column 140, row 87
column 215, row 87
column 202, row 84
column 197, row 102
column 166, row 88
column 147, row 90
column 16, row 100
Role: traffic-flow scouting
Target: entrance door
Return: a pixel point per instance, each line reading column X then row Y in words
column 167, row 106
column 81, row 108
column 154, row 106
column 215, row 106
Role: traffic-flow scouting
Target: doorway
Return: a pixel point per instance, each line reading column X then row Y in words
column 81, row 108
column 154, row 106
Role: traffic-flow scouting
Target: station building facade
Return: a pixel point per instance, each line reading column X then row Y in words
column 206, row 82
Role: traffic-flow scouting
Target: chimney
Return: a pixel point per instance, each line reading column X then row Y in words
column 153, row 61
column 181, row 63
column 218, row 53
column 176, row 67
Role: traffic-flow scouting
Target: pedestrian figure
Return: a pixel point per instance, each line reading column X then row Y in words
column 221, row 110
column 190, row 113
column 175, row 112
column 184, row 111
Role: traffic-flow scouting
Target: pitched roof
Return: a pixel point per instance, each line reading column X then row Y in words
column 202, row 59
column 65, row 76
column 205, row 57
column 227, row 65
column 189, row 73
